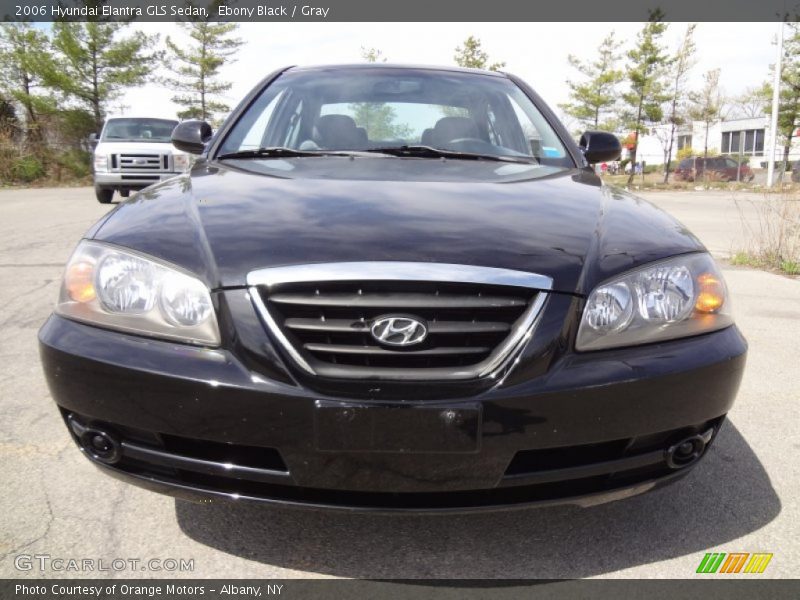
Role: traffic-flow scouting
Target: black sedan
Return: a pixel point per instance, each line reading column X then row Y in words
column 392, row 288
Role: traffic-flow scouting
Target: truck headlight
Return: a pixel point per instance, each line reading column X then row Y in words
column 181, row 162
column 674, row 298
column 100, row 163
column 121, row 289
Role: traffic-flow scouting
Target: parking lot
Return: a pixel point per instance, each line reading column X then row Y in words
column 744, row 497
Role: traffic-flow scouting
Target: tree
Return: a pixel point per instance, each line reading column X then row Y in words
column 94, row 63
column 648, row 62
column 706, row 104
column 8, row 119
column 682, row 63
column 378, row 118
column 24, row 54
column 593, row 100
column 751, row 103
column 372, row 55
column 197, row 68
column 472, row 56
column 789, row 94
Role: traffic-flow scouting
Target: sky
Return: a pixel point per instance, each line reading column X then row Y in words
column 537, row 52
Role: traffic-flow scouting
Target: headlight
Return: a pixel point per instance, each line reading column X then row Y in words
column 121, row 289
column 669, row 299
column 181, row 162
column 100, row 162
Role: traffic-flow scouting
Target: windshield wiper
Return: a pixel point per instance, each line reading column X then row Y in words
column 279, row 151
column 420, row 151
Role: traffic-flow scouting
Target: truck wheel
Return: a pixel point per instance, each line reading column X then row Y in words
column 104, row 195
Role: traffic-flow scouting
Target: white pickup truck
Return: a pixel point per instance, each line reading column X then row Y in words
column 133, row 153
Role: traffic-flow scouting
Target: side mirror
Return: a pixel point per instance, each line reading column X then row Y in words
column 93, row 140
column 599, row 146
column 191, row 136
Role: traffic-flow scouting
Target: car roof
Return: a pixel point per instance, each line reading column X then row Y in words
column 399, row 67
column 138, row 118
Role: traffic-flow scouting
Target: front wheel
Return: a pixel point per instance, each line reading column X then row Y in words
column 104, row 195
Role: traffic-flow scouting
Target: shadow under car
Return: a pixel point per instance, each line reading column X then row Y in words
column 728, row 495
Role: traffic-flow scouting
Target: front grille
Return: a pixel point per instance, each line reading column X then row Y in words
column 327, row 325
column 141, row 162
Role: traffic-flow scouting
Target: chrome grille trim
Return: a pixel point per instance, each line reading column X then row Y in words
column 398, row 271
column 141, row 163
column 499, row 361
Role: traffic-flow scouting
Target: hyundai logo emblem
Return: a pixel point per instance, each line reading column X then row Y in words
column 394, row 330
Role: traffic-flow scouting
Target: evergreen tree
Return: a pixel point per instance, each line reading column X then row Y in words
column 594, row 99
column 24, row 55
column 95, row 63
column 372, row 55
column 472, row 56
column 789, row 95
column 648, row 64
column 378, row 118
column 196, row 68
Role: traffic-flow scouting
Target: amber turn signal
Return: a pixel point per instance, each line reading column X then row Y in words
column 712, row 294
column 79, row 282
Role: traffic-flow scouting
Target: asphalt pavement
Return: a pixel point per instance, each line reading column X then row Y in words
column 742, row 498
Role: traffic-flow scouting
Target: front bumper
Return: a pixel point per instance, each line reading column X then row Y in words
column 205, row 424
column 130, row 180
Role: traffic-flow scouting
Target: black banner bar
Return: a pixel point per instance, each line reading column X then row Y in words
column 743, row 588
column 399, row 10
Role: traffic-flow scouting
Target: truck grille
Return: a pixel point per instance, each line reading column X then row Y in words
column 325, row 325
column 147, row 163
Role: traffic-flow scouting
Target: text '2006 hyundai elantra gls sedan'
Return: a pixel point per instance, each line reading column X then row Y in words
column 392, row 288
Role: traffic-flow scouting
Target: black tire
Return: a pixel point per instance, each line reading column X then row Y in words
column 104, row 195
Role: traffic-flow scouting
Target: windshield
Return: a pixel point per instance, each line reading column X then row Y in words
column 139, row 130
column 368, row 109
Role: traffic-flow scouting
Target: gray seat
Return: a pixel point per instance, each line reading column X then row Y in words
column 339, row 132
column 448, row 129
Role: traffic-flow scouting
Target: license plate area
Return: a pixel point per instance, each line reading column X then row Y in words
column 354, row 427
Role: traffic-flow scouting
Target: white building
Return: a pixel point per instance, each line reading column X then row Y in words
column 746, row 138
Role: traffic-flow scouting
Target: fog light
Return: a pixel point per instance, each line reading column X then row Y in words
column 101, row 445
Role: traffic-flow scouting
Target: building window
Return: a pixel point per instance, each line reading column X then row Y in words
column 750, row 142
column 684, row 141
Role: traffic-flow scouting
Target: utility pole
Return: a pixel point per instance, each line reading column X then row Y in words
column 776, row 95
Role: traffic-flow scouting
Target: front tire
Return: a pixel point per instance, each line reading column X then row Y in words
column 104, row 195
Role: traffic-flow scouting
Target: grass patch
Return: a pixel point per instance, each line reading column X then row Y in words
column 655, row 182
column 790, row 267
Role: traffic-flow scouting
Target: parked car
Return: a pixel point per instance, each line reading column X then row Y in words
column 132, row 153
column 394, row 288
column 719, row 168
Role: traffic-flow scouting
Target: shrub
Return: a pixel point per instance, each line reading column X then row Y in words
column 27, row 169
column 76, row 162
column 685, row 152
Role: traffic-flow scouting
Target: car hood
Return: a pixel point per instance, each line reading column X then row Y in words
column 222, row 222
